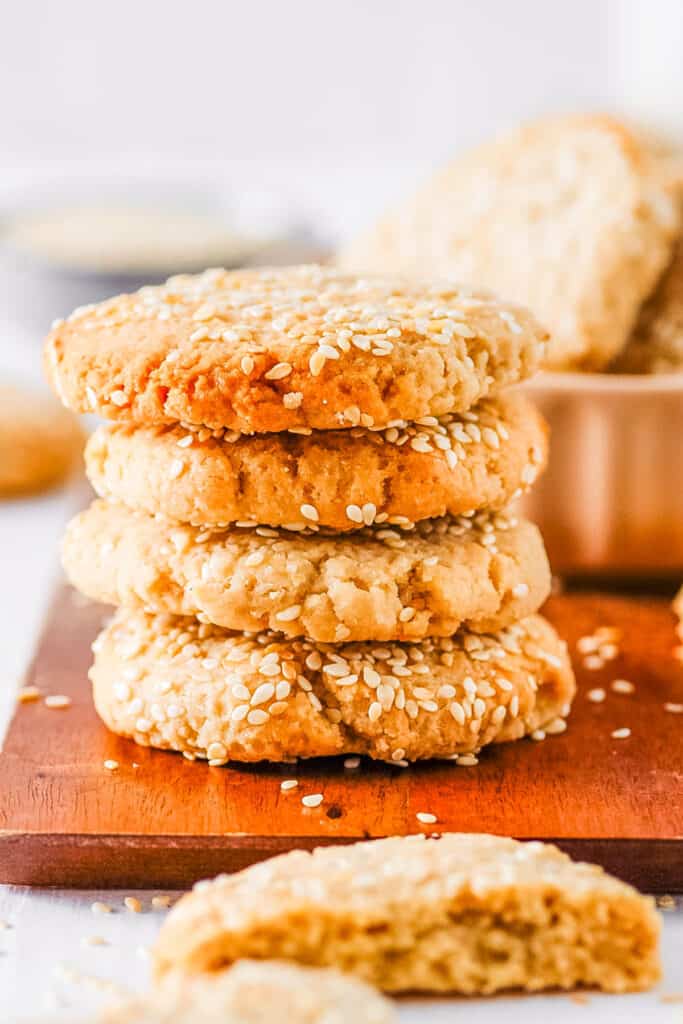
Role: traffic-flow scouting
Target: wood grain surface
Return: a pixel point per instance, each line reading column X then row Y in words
column 162, row 821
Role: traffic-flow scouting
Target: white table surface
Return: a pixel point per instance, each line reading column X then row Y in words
column 48, row 969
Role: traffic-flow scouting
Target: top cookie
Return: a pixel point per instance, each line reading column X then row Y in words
column 574, row 216
column 276, row 349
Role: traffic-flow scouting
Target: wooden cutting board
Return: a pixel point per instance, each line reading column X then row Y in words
column 162, row 821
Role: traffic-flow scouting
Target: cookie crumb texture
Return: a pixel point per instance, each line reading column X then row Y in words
column 484, row 572
column 257, row 992
column 341, row 479
column 462, row 913
column 268, row 350
column 186, row 686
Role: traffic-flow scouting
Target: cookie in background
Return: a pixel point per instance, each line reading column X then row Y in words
column 40, row 443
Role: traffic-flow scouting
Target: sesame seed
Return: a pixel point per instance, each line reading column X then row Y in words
column 176, row 468
column 425, row 818
column 538, row 735
column 279, row 371
column 262, row 694
column 100, row 908
column 354, row 513
column 621, row 734
column 674, row 709
column 309, row 512
column 520, row 590
column 374, row 711
column 257, row 717
column 622, row 686
column 118, row 397
column 246, row 365
column 289, row 784
column 312, row 800
column 593, row 663
column 466, row 760
column 111, row 765
column 27, row 694
column 133, row 904
column 351, row 762
column 316, row 363
column 161, row 902
column 57, row 701
column 597, row 695
column 289, row 614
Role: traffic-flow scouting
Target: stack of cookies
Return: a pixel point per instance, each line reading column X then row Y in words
column 303, row 517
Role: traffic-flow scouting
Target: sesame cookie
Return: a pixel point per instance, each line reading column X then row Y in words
column 380, row 583
column 182, row 685
column 337, row 479
column 461, row 913
column 268, row 350
column 40, row 443
column 571, row 215
column 656, row 345
column 257, row 992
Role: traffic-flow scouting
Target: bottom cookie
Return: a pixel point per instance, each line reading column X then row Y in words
column 182, row 685
column 258, row 993
column 459, row 913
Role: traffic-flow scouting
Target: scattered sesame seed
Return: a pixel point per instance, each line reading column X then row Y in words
column 27, row 694
column 593, row 663
column 597, row 695
column 354, row 513
column 133, row 904
column 176, row 468
column 100, row 908
column 351, row 762
column 246, row 365
column 161, row 902
column 111, row 765
column 538, row 735
column 289, row 784
column 425, row 818
column 312, row 800
column 621, row 734
column 57, row 701
column 118, row 397
column 622, row 686
column 674, row 709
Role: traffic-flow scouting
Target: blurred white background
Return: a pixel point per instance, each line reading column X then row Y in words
column 305, row 112
column 340, row 105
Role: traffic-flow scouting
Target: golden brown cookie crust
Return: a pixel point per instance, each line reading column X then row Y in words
column 257, row 992
column 268, row 350
column 182, row 685
column 656, row 345
column 40, row 443
column 576, row 216
column 376, row 584
column 336, row 479
column 458, row 913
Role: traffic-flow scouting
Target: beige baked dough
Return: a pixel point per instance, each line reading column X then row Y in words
column 462, row 913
